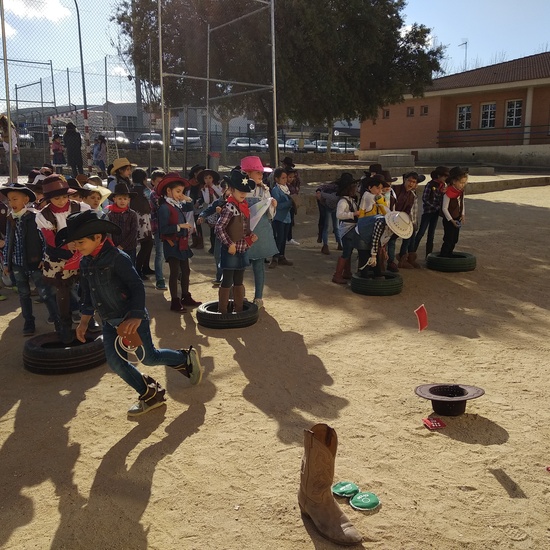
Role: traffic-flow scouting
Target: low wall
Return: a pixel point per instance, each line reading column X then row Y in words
column 506, row 155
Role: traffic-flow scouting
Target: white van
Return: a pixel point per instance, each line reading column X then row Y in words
column 177, row 138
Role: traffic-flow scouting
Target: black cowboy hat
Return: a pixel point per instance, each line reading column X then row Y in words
column 207, row 172
column 239, row 180
column 20, row 188
column 418, row 177
column 195, row 169
column 122, row 189
column 84, row 224
column 287, row 161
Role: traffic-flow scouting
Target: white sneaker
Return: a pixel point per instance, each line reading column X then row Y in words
column 259, row 302
column 292, row 241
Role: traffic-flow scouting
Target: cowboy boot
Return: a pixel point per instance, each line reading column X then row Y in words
column 412, row 260
column 338, row 276
column 403, row 263
column 347, row 269
column 187, row 300
column 223, row 299
column 315, row 494
column 325, row 250
column 238, row 297
column 175, row 305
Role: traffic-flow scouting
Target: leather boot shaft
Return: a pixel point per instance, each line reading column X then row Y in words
column 338, row 276
column 223, row 299
column 238, row 297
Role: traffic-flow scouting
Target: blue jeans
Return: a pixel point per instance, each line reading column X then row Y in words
column 159, row 257
column 258, row 268
column 45, row 291
column 429, row 222
column 153, row 356
column 348, row 244
column 330, row 214
column 280, row 232
column 217, row 256
column 407, row 245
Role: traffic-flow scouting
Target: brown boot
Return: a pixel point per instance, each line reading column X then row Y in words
column 412, row 260
column 347, row 269
column 238, row 297
column 199, row 243
column 315, row 494
column 283, row 261
column 403, row 263
column 338, row 276
column 325, row 250
column 223, row 299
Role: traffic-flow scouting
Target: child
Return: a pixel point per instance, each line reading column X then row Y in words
column 211, row 215
column 453, row 209
column 293, row 183
column 113, row 288
column 233, row 230
column 432, row 198
column 76, row 184
column 5, row 137
column 23, row 253
column 174, row 232
column 120, row 214
column 260, row 200
column 51, row 219
column 372, row 201
column 328, row 201
column 97, row 195
column 141, row 205
column 211, row 191
column 403, row 200
column 194, row 191
column 120, row 170
column 347, row 213
column 58, row 154
column 282, row 220
column 156, row 177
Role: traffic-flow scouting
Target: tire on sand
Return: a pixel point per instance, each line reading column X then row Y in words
column 461, row 261
column 208, row 315
column 46, row 354
column 390, row 285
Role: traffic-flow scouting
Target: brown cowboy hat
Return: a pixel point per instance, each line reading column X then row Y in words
column 120, row 163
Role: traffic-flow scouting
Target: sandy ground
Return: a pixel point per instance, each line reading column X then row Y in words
column 218, row 468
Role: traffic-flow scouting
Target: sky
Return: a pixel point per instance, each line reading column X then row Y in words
column 44, row 30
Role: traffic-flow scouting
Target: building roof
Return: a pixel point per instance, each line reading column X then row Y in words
column 532, row 67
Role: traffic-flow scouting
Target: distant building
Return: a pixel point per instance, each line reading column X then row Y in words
column 507, row 104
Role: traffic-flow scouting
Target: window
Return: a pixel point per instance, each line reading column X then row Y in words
column 127, row 122
column 488, row 112
column 410, row 111
column 385, row 113
column 423, row 110
column 464, row 117
column 513, row 112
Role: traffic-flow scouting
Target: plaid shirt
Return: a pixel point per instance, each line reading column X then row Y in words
column 229, row 211
column 154, row 200
column 432, row 198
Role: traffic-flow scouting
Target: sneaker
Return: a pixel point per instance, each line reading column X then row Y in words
column 75, row 316
column 2, row 297
column 50, row 320
column 187, row 300
column 161, row 285
column 38, row 300
column 259, row 302
column 141, row 407
column 292, row 241
column 192, row 367
column 273, row 263
column 29, row 329
column 148, row 271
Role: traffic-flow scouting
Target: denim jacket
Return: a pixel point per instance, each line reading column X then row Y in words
column 111, row 286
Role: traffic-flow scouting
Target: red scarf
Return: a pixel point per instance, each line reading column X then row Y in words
column 57, row 210
column 452, row 192
column 242, row 206
column 114, row 208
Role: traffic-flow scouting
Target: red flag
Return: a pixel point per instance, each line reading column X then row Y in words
column 422, row 316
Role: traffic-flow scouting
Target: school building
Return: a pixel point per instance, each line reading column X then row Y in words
column 494, row 114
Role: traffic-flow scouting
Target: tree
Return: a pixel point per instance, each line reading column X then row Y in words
column 336, row 59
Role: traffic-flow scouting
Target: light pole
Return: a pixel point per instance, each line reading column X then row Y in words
column 81, row 57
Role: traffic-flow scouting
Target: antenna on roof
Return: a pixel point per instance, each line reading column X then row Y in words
column 465, row 43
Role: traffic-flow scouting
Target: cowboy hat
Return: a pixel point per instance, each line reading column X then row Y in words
column 287, row 161
column 122, row 189
column 120, row 163
column 213, row 173
column 418, row 177
column 253, row 164
column 55, row 186
column 400, row 223
column 194, row 169
column 20, row 188
column 76, row 184
column 170, row 178
column 239, row 180
column 84, row 224
column 103, row 191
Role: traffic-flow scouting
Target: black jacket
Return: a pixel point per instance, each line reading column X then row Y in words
column 32, row 242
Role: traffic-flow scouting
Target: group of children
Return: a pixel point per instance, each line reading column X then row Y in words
column 363, row 213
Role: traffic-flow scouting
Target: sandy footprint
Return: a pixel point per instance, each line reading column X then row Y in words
column 515, row 533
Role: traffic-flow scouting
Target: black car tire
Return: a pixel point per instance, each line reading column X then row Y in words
column 390, row 285
column 461, row 261
column 45, row 354
column 208, row 316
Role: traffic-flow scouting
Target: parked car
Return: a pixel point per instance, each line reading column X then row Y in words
column 265, row 144
column 345, row 146
column 321, row 146
column 117, row 136
column 177, row 139
column 25, row 139
column 294, row 146
column 244, row 144
column 149, row 140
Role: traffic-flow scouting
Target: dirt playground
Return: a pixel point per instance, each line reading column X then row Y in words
column 218, row 468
